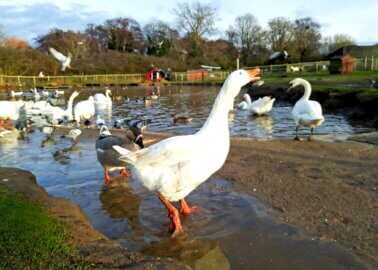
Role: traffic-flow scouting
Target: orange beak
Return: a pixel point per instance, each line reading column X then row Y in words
column 253, row 74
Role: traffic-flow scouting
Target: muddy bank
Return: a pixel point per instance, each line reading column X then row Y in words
column 95, row 248
column 355, row 104
column 325, row 187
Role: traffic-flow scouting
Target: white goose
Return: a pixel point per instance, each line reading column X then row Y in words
column 59, row 113
column 102, row 100
column 84, row 109
column 306, row 113
column 175, row 166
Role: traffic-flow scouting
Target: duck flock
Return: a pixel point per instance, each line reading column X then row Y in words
column 170, row 168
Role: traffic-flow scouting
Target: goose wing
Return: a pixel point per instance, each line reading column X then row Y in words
column 166, row 153
column 59, row 56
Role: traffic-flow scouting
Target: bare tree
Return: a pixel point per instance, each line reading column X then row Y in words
column 247, row 36
column 196, row 20
column 280, row 33
column 337, row 41
column 306, row 38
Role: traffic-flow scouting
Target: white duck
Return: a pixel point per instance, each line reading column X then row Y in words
column 65, row 61
column 59, row 113
column 306, row 113
column 175, row 166
column 102, row 100
column 84, row 109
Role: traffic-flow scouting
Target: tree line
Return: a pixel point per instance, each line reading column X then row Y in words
column 121, row 45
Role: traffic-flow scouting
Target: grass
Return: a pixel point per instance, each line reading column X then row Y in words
column 31, row 238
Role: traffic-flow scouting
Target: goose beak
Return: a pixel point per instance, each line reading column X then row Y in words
column 253, row 74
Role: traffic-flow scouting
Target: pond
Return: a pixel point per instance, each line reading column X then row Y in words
column 196, row 103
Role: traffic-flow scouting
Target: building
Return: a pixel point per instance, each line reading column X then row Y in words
column 343, row 59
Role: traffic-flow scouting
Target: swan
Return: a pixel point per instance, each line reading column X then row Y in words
column 262, row 105
column 59, row 113
column 175, row 166
column 45, row 93
column 306, row 113
column 294, row 69
column 102, row 100
column 244, row 105
column 84, row 109
column 108, row 157
column 65, row 61
column 258, row 107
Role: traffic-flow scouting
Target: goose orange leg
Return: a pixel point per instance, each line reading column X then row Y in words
column 185, row 209
column 125, row 173
column 107, row 176
column 176, row 227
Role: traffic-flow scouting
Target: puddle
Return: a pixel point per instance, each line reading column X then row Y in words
column 230, row 230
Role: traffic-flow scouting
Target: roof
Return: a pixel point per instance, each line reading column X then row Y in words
column 355, row 51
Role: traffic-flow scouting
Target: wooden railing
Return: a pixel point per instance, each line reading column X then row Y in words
column 367, row 63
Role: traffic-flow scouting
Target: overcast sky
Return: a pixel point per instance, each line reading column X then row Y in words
column 29, row 18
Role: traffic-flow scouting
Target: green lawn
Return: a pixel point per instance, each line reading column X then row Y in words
column 31, row 238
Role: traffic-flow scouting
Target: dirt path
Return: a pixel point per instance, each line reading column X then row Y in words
column 324, row 187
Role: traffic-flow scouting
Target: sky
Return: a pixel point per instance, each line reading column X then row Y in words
column 27, row 19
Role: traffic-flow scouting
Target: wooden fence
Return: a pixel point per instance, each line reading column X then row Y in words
column 367, row 63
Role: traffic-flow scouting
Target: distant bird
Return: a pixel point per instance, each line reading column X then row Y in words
column 59, row 92
column 41, row 75
column 101, row 100
column 258, row 107
column 73, row 134
column 210, row 68
column 99, row 121
column 84, row 109
column 294, row 69
column 140, row 124
column 65, row 61
column 374, row 83
column 108, row 157
column 45, row 93
column 277, row 56
column 262, row 105
column 117, row 123
column 181, row 119
column 174, row 167
column 16, row 94
column 307, row 113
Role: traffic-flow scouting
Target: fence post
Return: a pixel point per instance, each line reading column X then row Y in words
column 1, row 80
column 372, row 63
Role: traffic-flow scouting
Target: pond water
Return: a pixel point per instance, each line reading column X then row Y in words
column 196, row 102
column 230, row 230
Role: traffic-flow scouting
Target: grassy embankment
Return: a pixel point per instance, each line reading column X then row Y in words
column 323, row 81
column 31, row 238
